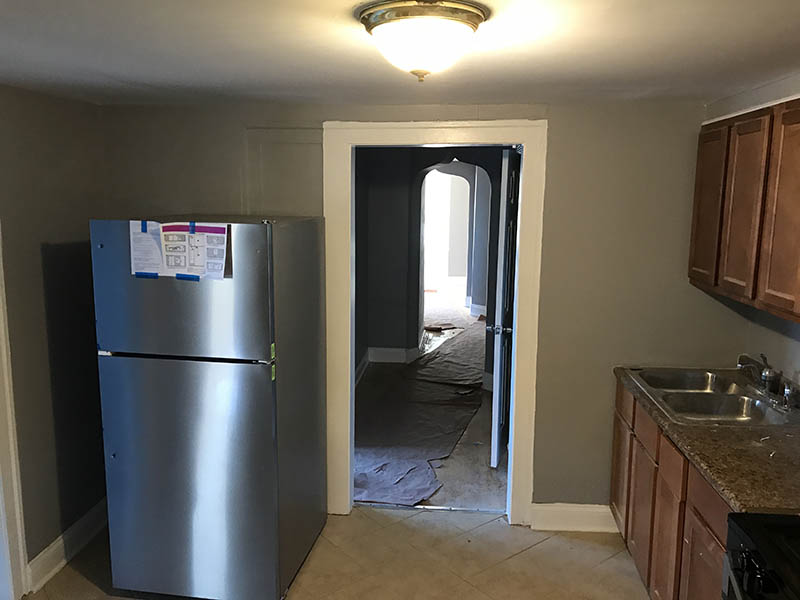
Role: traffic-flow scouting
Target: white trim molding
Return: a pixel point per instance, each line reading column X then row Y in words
column 769, row 94
column 339, row 141
column 476, row 310
column 393, row 355
column 593, row 518
column 53, row 558
column 11, row 505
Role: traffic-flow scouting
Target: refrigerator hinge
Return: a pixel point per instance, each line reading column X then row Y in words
column 103, row 353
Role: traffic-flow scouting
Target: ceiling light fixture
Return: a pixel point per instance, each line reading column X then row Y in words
column 422, row 36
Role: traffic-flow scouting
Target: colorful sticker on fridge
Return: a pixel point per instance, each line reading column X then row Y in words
column 190, row 250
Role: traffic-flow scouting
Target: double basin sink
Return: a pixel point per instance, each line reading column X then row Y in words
column 710, row 396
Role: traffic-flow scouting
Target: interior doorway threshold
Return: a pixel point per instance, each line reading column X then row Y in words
column 488, row 511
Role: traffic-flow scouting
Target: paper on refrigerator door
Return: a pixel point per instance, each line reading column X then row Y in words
column 145, row 247
column 194, row 249
column 184, row 250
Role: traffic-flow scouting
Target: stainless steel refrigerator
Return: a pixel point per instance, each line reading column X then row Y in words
column 213, row 409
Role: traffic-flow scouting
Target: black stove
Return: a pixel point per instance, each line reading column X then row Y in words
column 763, row 560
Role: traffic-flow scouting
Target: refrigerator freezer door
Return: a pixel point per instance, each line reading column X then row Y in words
column 228, row 318
column 191, row 477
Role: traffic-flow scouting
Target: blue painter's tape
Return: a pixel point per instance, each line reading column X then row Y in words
column 146, row 275
column 192, row 225
column 144, row 226
column 186, row 277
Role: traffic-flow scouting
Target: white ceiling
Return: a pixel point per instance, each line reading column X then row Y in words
column 314, row 50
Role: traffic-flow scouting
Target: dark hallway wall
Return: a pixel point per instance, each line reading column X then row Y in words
column 388, row 237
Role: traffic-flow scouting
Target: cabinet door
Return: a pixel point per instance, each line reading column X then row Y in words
column 712, row 153
column 743, row 206
column 780, row 250
column 620, row 473
column 701, row 571
column 640, row 508
column 667, row 542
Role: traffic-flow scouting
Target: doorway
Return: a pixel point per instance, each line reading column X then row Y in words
column 428, row 237
column 339, row 143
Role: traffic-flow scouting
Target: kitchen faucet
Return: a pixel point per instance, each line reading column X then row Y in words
column 768, row 379
column 762, row 372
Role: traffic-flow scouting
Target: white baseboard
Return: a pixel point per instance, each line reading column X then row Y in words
column 595, row 518
column 362, row 367
column 393, row 355
column 488, row 381
column 476, row 310
column 53, row 558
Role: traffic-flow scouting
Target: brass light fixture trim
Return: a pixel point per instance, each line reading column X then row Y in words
column 376, row 13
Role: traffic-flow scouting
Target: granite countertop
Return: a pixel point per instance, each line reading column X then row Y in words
column 754, row 468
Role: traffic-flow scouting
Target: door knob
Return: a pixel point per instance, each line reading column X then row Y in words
column 498, row 330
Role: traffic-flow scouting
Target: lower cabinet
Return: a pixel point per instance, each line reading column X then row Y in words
column 670, row 506
column 673, row 520
column 701, row 570
column 620, row 469
column 640, row 507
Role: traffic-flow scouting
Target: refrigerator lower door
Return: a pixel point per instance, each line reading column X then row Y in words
column 191, row 477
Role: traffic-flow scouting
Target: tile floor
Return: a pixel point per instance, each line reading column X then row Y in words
column 394, row 554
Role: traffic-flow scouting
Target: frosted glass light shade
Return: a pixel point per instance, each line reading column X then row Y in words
column 423, row 45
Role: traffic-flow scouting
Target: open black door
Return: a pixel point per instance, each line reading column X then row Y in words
column 504, row 304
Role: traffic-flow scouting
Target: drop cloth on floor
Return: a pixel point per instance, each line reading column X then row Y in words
column 409, row 415
column 458, row 361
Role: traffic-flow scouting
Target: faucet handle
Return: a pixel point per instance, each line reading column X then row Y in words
column 789, row 393
column 764, row 360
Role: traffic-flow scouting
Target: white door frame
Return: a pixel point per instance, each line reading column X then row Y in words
column 11, row 496
column 339, row 141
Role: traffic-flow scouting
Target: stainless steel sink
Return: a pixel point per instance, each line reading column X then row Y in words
column 690, row 380
column 710, row 396
column 729, row 408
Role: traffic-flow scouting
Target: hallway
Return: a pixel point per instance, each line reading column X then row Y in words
column 423, row 430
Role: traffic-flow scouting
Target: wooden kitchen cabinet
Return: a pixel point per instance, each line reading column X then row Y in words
column 701, row 570
column 779, row 273
column 704, row 537
column 746, row 180
column 668, row 522
column 745, row 241
column 674, row 522
column 620, row 473
column 712, row 153
column 640, row 508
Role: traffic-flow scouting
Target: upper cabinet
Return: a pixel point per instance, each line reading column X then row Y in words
column 746, row 224
column 748, row 149
column 712, row 152
column 778, row 286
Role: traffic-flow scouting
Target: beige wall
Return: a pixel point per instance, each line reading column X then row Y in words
column 49, row 157
column 614, row 287
column 616, row 231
